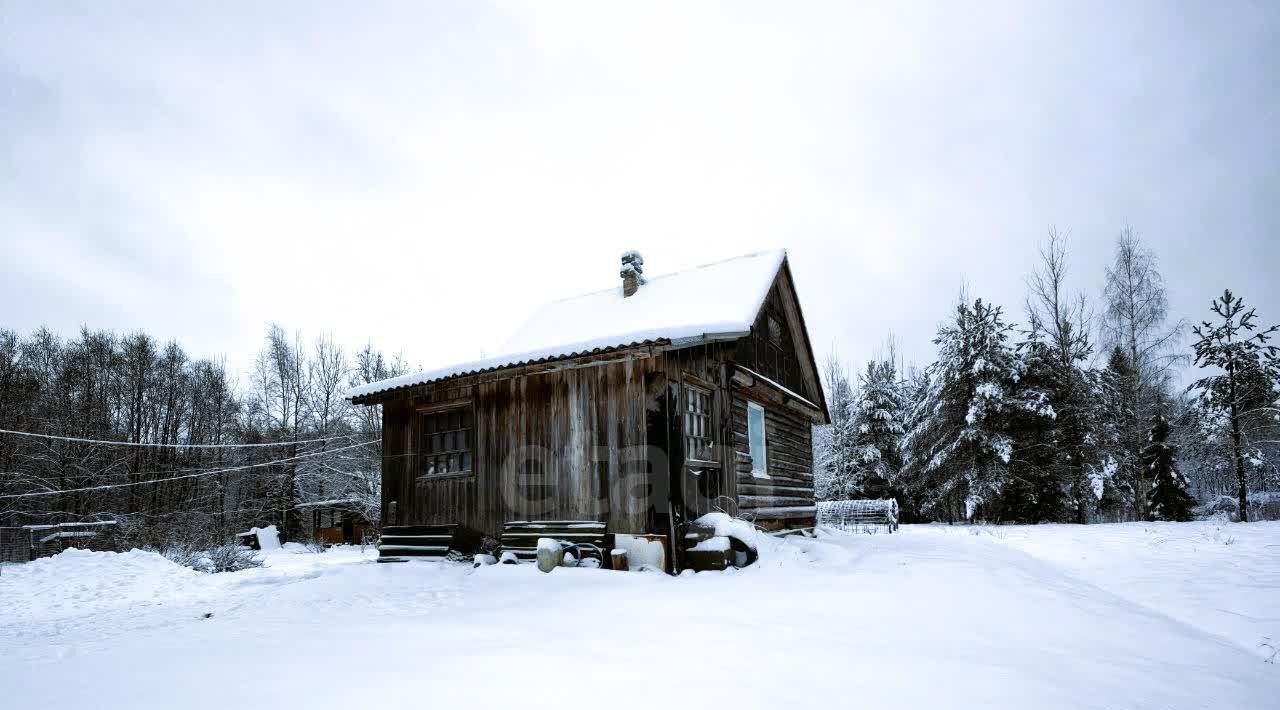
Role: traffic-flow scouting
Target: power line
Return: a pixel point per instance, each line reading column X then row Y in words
column 193, row 475
column 174, row 446
column 170, row 472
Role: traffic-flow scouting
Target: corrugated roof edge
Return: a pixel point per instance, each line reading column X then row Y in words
column 487, row 365
column 504, row 362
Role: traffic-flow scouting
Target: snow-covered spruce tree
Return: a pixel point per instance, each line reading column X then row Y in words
column 914, row 495
column 878, row 428
column 1167, row 498
column 1260, row 423
column 1248, row 366
column 1035, row 490
column 1115, row 473
column 836, row 461
column 822, row 461
column 958, row 447
column 1203, row 440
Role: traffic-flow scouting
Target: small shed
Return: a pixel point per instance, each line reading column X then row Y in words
column 336, row 521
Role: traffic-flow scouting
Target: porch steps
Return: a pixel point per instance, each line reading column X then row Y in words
column 399, row 543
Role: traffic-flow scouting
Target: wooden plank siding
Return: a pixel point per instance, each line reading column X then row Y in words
column 781, row 351
column 705, row 367
column 565, row 444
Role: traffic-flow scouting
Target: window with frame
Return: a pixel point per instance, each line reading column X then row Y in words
column 698, row 440
column 446, row 442
column 755, row 436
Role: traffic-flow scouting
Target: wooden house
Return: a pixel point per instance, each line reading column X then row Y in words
column 642, row 407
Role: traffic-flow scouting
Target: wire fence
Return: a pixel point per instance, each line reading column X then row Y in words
column 859, row 516
column 15, row 545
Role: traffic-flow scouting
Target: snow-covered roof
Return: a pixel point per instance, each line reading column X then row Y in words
column 717, row 299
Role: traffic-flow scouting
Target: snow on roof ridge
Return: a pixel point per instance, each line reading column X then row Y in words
column 594, row 322
column 782, row 252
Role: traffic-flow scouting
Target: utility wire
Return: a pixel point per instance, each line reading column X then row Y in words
column 193, row 475
column 170, row 472
column 175, row 446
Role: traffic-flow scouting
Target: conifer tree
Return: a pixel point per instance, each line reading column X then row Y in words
column 958, row 448
column 838, row 462
column 878, row 429
column 1247, row 364
column 1118, row 471
column 1035, row 489
column 1167, row 498
column 1061, row 321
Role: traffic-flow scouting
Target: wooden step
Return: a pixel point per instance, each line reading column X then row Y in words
column 401, row 542
column 394, row 530
column 557, row 524
column 708, row 560
column 531, row 538
column 404, row 551
column 735, row 554
column 424, row 548
column 695, row 533
column 417, row 540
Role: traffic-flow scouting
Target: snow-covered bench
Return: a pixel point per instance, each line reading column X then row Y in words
column 521, row 537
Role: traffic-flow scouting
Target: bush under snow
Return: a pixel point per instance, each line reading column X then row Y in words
column 230, row 557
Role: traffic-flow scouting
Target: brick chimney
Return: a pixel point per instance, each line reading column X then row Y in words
column 632, row 273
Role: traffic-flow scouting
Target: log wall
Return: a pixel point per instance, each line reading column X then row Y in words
column 786, row 498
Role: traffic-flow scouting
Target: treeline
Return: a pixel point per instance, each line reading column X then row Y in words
column 211, row 456
column 1071, row 416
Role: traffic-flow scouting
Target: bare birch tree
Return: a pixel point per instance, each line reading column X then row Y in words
column 1136, row 320
column 1064, row 320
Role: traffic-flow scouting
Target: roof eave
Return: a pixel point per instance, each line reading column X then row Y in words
column 498, row 372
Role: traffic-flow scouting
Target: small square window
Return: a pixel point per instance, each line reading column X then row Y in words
column 446, row 442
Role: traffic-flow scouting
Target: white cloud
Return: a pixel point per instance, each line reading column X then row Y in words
column 424, row 177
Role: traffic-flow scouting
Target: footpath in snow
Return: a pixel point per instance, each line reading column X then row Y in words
column 1104, row 616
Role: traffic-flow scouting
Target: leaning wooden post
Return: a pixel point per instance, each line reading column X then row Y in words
column 618, row 560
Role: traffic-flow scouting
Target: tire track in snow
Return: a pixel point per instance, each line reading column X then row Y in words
column 1098, row 591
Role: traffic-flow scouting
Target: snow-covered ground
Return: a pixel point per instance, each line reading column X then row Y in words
column 1104, row 616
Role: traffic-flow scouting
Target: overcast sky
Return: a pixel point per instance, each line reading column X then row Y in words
column 424, row 175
